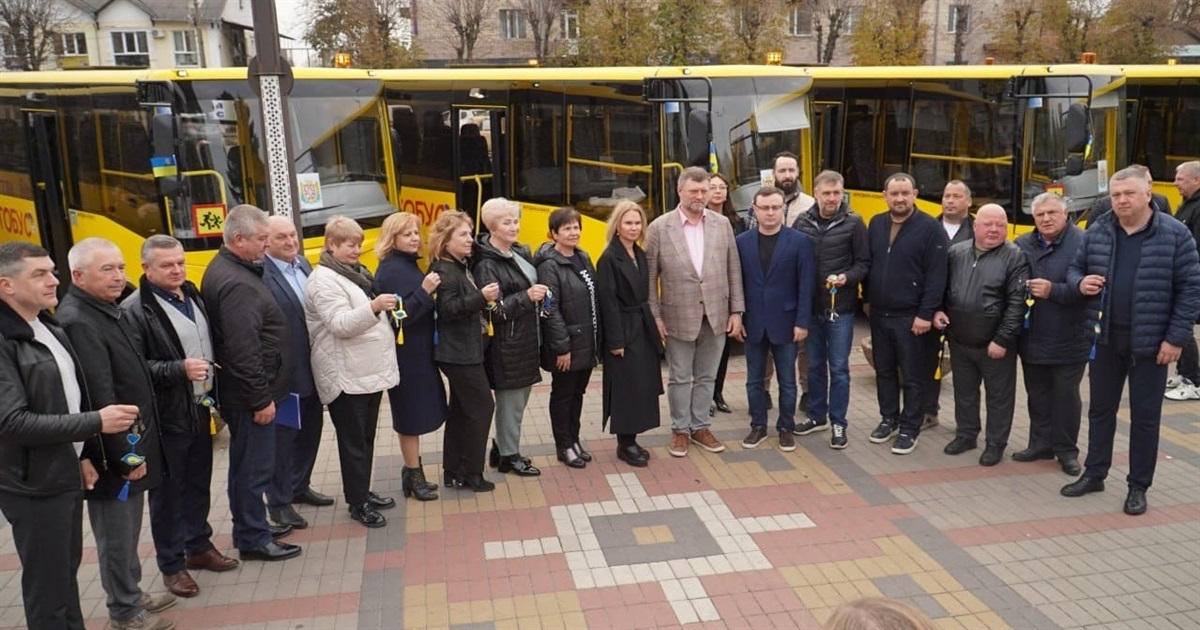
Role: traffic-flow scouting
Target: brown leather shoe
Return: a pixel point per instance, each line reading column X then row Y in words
column 679, row 444
column 212, row 560
column 707, row 441
column 181, row 584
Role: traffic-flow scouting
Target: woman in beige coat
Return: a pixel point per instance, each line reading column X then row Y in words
column 353, row 359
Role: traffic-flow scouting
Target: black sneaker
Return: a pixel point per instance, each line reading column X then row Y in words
column 884, row 431
column 837, row 440
column 904, row 444
column 808, row 426
column 755, row 437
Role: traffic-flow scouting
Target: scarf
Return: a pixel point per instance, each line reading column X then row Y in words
column 357, row 273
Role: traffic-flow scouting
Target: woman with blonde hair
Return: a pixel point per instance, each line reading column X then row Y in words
column 459, row 339
column 633, row 348
column 878, row 613
column 352, row 359
column 418, row 402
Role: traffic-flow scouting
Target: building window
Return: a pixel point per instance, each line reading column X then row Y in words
column 958, row 12
column 185, row 48
column 131, row 49
column 800, row 22
column 569, row 19
column 512, row 24
column 74, row 44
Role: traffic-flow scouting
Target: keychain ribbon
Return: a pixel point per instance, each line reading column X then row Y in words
column 398, row 316
column 1096, row 327
column 833, row 290
column 1028, row 305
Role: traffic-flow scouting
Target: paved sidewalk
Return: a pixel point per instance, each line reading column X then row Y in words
column 744, row 539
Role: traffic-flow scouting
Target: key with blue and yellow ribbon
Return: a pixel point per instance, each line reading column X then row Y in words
column 398, row 316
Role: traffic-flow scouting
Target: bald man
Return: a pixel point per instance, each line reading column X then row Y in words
column 984, row 311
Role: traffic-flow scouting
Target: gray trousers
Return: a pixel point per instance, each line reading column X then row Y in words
column 972, row 367
column 692, row 375
column 117, row 526
column 510, row 409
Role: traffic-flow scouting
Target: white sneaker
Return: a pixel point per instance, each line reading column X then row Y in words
column 1174, row 381
column 1186, row 391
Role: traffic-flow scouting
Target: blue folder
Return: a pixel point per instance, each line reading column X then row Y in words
column 287, row 412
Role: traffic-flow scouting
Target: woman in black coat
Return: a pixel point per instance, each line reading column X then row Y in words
column 511, row 359
column 459, row 338
column 570, row 330
column 632, row 370
column 418, row 403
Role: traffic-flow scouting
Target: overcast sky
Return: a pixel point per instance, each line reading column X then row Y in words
column 291, row 18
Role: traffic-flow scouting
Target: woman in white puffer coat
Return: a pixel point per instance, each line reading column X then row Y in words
column 353, row 359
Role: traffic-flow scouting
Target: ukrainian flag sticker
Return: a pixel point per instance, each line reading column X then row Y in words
column 164, row 166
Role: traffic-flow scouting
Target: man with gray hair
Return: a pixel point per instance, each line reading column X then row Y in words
column 696, row 299
column 1133, row 256
column 115, row 372
column 173, row 335
column 1053, row 344
column 1186, row 383
column 985, row 291
column 251, row 341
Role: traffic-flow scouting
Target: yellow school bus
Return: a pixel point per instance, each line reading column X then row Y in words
column 1009, row 132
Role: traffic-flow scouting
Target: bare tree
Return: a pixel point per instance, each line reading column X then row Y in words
column 1018, row 33
column 755, row 28
column 831, row 20
column 30, row 29
column 965, row 20
column 465, row 18
column 541, row 15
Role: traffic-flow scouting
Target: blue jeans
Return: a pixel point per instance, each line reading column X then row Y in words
column 756, row 391
column 828, row 347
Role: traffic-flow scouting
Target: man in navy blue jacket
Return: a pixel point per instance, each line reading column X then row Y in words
column 778, row 278
column 903, row 290
column 1144, row 268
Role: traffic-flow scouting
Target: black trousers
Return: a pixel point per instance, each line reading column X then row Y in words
column 179, row 505
column 468, row 419
column 722, row 368
column 48, row 532
column 296, row 453
column 896, row 350
column 1054, row 407
column 355, row 418
column 566, row 405
column 1114, row 363
column 973, row 367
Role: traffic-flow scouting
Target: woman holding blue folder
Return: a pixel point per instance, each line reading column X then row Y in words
column 352, row 359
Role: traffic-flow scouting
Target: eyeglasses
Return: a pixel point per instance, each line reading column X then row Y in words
column 766, row 208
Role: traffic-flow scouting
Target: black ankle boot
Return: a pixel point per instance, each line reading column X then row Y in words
column 476, row 482
column 583, row 453
column 412, row 480
column 421, row 470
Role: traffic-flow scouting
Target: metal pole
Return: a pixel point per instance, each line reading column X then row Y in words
column 271, row 76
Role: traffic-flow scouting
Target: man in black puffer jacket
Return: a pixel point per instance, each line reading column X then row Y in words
column 843, row 257
column 1144, row 267
column 985, row 291
column 1054, row 342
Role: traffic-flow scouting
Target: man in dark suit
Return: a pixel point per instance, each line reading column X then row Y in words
column 286, row 271
column 956, row 219
column 250, row 336
column 778, row 277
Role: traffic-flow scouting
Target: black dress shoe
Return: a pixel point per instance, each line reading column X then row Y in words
column 583, row 453
column 279, row 531
column 1083, row 485
column 380, row 503
column 271, row 552
column 1032, row 454
column 632, row 455
column 959, row 445
column 287, row 515
column 720, row 404
column 476, row 482
column 569, row 457
column 1135, row 502
column 992, row 454
column 1070, row 466
column 367, row 515
column 312, row 497
column 518, row 466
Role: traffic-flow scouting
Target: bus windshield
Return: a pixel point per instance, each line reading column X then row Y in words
column 338, row 147
column 757, row 118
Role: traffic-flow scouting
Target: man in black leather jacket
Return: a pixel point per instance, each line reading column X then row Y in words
column 984, row 309
column 42, row 391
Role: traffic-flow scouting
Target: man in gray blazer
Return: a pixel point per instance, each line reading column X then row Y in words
column 696, row 298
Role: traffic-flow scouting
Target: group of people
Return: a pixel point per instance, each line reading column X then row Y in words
column 110, row 400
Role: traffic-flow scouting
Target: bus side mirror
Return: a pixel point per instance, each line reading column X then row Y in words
column 698, row 125
column 162, row 134
column 1075, row 127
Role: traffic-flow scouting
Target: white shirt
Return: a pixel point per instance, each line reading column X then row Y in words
column 66, row 368
column 951, row 228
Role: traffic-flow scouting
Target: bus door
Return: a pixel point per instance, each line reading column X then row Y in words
column 480, row 156
column 682, row 121
column 46, row 173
